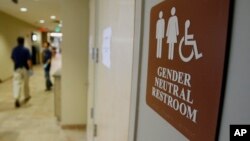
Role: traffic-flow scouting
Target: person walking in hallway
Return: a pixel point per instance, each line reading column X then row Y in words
column 47, row 56
column 22, row 66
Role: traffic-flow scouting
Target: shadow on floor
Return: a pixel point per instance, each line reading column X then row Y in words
column 7, row 106
column 8, row 136
column 10, row 107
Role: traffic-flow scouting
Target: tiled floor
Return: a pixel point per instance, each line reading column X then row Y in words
column 34, row 121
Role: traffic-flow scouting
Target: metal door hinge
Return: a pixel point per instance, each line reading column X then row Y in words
column 92, row 113
column 95, row 54
column 95, row 130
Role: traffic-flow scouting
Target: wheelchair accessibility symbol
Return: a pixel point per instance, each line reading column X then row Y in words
column 172, row 31
column 188, row 39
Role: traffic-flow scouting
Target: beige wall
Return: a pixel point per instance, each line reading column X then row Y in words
column 74, row 61
column 10, row 29
column 235, row 111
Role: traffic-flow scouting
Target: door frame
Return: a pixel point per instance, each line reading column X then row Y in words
column 136, row 72
column 93, row 60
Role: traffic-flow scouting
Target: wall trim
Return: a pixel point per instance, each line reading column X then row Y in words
column 74, row 126
column 7, row 79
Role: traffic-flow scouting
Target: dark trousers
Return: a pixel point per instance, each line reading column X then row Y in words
column 48, row 82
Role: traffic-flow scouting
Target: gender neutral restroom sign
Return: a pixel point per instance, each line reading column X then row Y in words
column 187, row 48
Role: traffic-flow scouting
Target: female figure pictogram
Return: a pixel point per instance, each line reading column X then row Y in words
column 172, row 33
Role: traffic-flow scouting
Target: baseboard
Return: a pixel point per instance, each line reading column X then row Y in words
column 4, row 80
column 74, row 126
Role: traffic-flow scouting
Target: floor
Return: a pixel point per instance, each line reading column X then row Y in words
column 34, row 121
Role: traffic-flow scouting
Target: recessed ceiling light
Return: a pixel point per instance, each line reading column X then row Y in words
column 23, row 9
column 41, row 21
column 56, row 34
column 53, row 17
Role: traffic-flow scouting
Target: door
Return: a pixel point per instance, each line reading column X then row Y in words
column 111, row 73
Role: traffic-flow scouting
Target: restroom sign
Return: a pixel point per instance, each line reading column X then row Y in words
column 187, row 49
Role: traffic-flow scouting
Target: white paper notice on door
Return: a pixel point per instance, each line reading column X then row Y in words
column 107, row 34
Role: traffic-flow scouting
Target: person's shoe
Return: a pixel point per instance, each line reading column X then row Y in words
column 27, row 99
column 51, row 84
column 17, row 104
column 49, row 89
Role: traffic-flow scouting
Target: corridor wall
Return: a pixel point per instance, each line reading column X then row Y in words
column 236, row 102
column 74, row 61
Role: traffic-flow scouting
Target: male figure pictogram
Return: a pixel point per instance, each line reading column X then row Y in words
column 160, row 28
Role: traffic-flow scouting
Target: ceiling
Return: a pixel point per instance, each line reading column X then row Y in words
column 37, row 10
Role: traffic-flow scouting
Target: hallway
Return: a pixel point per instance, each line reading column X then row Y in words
column 35, row 120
